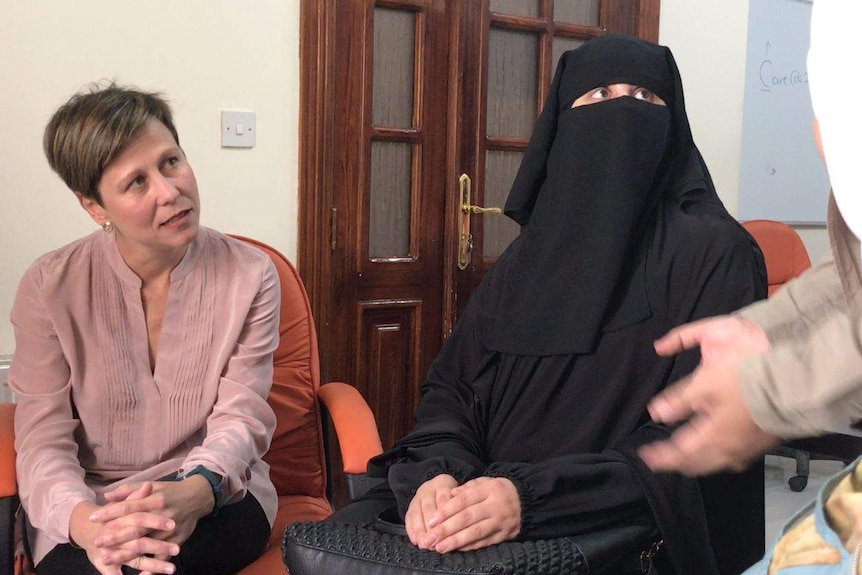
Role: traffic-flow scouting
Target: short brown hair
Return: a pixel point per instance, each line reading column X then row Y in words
column 89, row 130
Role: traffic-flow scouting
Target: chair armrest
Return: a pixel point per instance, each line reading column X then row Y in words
column 8, row 486
column 354, row 424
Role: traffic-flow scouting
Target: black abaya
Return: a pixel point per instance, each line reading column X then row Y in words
column 546, row 377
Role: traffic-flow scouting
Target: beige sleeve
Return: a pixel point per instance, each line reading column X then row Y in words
column 807, row 386
column 801, row 304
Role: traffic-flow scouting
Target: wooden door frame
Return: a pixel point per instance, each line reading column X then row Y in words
column 317, row 160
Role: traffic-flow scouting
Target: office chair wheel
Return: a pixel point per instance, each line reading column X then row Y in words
column 797, row 483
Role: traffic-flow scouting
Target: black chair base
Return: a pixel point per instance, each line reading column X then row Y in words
column 833, row 447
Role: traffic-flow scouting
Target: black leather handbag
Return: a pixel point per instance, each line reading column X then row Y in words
column 381, row 548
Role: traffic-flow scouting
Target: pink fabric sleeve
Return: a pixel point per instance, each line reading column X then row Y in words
column 240, row 427
column 50, row 478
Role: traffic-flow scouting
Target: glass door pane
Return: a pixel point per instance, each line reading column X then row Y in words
column 499, row 231
column 583, row 12
column 512, row 83
column 529, row 8
column 561, row 45
column 391, row 193
column 394, row 45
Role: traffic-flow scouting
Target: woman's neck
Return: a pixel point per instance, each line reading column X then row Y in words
column 150, row 265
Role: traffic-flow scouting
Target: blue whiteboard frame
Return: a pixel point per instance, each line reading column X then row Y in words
column 781, row 174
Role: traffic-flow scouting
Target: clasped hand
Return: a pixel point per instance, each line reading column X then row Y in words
column 142, row 525
column 444, row 516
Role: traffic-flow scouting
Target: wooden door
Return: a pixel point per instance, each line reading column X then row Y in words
column 405, row 102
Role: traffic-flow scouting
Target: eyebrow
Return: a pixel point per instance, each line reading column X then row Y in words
column 130, row 175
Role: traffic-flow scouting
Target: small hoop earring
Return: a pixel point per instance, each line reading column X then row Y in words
column 108, row 227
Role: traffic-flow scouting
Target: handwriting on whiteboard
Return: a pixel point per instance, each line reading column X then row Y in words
column 776, row 77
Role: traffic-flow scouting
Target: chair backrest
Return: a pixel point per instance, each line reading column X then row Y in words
column 296, row 455
column 783, row 251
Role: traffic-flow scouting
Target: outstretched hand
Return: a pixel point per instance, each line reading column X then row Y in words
column 720, row 433
column 723, row 340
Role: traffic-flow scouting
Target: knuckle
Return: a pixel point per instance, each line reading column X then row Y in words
column 477, row 531
column 466, row 517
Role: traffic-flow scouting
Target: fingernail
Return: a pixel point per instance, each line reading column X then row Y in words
column 175, row 550
column 430, row 539
column 434, row 521
column 656, row 408
column 99, row 542
column 169, row 569
column 169, row 524
column 442, row 548
column 94, row 517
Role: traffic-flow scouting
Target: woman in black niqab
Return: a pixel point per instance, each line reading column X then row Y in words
column 546, row 377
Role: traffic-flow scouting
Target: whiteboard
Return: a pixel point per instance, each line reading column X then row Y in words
column 781, row 174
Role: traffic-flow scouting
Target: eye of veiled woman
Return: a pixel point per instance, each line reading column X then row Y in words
column 644, row 94
column 600, row 93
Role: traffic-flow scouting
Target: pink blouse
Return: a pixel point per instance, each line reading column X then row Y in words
column 91, row 413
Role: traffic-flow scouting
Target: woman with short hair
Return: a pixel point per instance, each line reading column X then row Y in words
column 143, row 362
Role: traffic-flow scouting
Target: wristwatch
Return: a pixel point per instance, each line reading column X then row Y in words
column 216, row 481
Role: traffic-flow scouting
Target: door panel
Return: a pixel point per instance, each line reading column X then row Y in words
column 385, row 303
column 389, row 338
column 399, row 98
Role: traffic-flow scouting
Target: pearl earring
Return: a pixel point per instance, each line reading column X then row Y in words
column 108, row 227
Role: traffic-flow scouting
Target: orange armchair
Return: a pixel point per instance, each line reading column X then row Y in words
column 783, row 251
column 297, row 455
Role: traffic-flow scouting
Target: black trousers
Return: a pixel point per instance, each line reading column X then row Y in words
column 220, row 544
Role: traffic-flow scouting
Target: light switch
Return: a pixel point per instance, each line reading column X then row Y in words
column 238, row 129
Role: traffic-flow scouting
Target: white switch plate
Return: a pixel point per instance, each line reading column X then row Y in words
column 231, row 137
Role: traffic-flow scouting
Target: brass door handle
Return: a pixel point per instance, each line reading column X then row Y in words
column 465, row 237
column 481, row 210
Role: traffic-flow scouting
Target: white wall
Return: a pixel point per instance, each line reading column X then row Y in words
column 708, row 40
column 205, row 55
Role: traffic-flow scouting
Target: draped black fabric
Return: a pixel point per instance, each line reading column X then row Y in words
column 547, row 374
column 587, row 191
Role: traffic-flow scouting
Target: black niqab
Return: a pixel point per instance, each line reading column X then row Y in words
column 590, row 183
